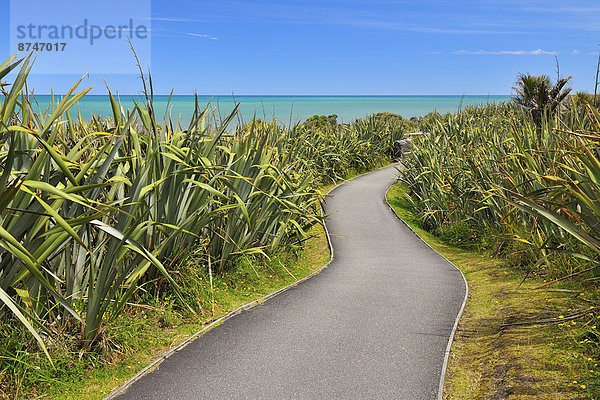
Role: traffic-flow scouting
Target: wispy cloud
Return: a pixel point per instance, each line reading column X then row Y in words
column 374, row 19
column 537, row 52
column 201, row 35
column 168, row 19
column 395, row 26
column 562, row 10
column 337, row 59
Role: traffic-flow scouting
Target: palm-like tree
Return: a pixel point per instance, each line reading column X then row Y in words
column 538, row 96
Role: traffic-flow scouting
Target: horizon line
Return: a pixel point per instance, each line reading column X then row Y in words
column 288, row 95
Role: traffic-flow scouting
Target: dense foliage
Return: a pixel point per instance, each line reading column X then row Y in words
column 92, row 212
column 491, row 177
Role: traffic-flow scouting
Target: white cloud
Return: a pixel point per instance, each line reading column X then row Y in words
column 575, row 51
column 562, row 10
column 202, row 35
column 377, row 19
column 506, row 52
column 399, row 26
column 166, row 19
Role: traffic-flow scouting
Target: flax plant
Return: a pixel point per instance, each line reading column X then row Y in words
column 93, row 213
column 493, row 168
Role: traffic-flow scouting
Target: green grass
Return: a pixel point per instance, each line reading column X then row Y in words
column 490, row 360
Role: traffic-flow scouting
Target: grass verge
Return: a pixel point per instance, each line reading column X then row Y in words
column 498, row 351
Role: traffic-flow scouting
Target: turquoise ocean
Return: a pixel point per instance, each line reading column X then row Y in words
column 291, row 109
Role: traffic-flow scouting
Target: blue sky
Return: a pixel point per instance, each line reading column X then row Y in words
column 378, row 47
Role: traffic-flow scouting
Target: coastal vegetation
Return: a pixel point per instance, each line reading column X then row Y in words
column 123, row 234
column 521, row 181
column 134, row 215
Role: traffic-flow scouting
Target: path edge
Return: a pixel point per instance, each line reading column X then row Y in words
column 156, row 363
column 462, row 307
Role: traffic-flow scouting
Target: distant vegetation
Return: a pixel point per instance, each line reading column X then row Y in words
column 584, row 97
column 321, row 122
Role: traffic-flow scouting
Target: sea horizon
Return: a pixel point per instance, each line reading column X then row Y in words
column 296, row 95
column 288, row 109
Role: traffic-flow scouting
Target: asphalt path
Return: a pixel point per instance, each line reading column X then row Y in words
column 375, row 324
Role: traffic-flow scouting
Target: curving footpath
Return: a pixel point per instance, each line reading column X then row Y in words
column 375, row 324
